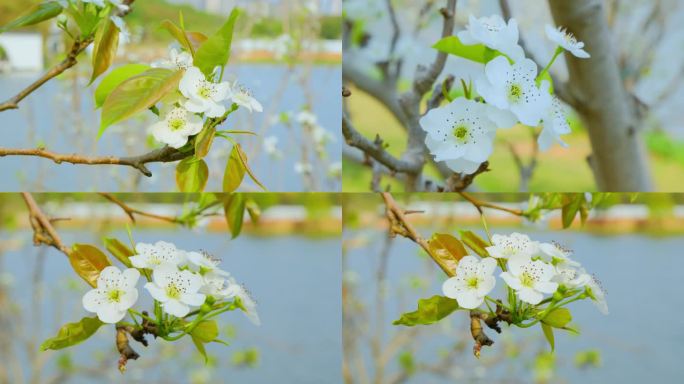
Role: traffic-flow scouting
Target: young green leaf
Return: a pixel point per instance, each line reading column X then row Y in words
column 570, row 209
column 447, row 248
column 203, row 142
column 88, row 261
column 138, row 94
column 477, row 52
column 104, row 48
column 72, row 334
column 429, row 311
column 200, row 348
column 234, row 209
column 243, row 159
column 192, row 175
column 215, row 52
column 235, row 171
column 37, row 13
column 475, row 242
column 178, row 34
column 253, row 210
column 196, row 39
column 548, row 333
column 119, row 250
column 558, row 318
column 116, row 77
column 206, row 331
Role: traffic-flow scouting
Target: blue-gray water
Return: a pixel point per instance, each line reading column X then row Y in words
column 63, row 120
column 640, row 340
column 295, row 280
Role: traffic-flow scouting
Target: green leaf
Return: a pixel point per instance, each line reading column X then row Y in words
column 203, row 142
column 478, row 52
column 192, row 175
column 253, row 210
column 548, row 333
column 570, row 209
column 475, row 242
column 558, row 318
column 243, row 159
column 429, row 311
column 178, row 34
column 234, row 209
column 235, row 171
column 196, row 39
column 114, row 78
column 104, row 48
column 88, row 261
column 119, row 250
column 447, row 248
column 200, row 348
column 206, row 331
column 72, row 334
column 37, row 13
column 138, row 94
column 215, row 52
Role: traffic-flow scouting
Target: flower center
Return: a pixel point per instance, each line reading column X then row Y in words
column 527, row 280
column 176, row 124
column 172, row 291
column 461, row 133
column 473, row 282
column 515, row 92
column 114, row 295
column 205, row 90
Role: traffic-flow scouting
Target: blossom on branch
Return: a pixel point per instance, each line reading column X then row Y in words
column 114, row 295
column 473, row 281
column 531, row 279
column 175, row 290
column 177, row 125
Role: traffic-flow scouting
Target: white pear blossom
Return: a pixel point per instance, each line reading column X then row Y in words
column 307, row 118
column 246, row 301
column 531, row 279
column 460, row 134
column 571, row 277
column 176, row 126
column 513, row 87
column 554, row 125
column 176, row 290
column 205, row 264
column 473, row 281
column 597, row 294
column 114, row 295
column 153, row 255
column 567, row 41
column 493, row 32
column 270, row 145
column 178, row 60
column 203, row 96
column 242, row 97
column 515, row 245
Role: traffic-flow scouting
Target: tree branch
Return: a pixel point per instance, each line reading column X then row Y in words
column 43, row 231
column 131, row 212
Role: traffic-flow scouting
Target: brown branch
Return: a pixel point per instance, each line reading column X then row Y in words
column 479, row 204
column 43, row 231
column 131, row 212
column 161, row 155
column 76, row 49
column 400, row 226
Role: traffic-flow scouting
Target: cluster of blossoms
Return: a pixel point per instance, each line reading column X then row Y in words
column 531, row 269
column 462, row 132
column 179, row 280
column 199, row 97
column 117, row 5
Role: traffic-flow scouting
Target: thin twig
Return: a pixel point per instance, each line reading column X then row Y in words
column 43, row 231
column 479, row 204
column 131, row 212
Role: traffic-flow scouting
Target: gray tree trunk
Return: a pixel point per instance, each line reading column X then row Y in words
column 618, row 160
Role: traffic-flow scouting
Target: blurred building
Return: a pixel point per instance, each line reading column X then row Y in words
column 24, row 51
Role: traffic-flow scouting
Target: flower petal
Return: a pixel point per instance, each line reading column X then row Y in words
column 176, row 308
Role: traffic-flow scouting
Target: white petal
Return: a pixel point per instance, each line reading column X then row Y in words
column 176, row 308
column 511, row 280
column 529, row 295
column 488, row 265
column 469, row 299
column 109, row 277
column 156, row 292
column 215, row 110
column 546, row 286
column 501, row 118
column 93, row 299
column 190, row 81
column 138, row 261
column 127, row 299
column 194, row 281
column 195, row 299
column 110, row 314
column 463, row 166
column 195, row 105
column 163, row 273
column 498, row 70
column 486, row 286
column 129, row 278
column 450, row 287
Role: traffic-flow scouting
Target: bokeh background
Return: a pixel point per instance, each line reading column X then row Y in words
column 633, row 248
column 290, row 263
column 647, row 34
column 286, row 52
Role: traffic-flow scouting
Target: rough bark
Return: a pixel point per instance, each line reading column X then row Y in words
column 618, row 160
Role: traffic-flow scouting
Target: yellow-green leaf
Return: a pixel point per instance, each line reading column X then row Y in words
column 215, row 51
column 475, row 242
column 206, row 331
column 35, row 15
column 119, row 250
column 253, row 210
column 203, row 142
column 104, row 48
column 477, row 52
column 116, row 77
column 558, row 318
column 235, row 171
column 234, row 210
column 72, row 334
column 548, row 333
column 196, row 39
column 192, row 175
column 243, row 159
column 570, row 209
column 178, row 33
column 429, row 311
column 448, row 248
column 200, row 348
column 138, row 94
column 88, row 261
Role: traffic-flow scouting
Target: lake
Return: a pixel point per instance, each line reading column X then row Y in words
column 295, row 280
column 60, row 116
